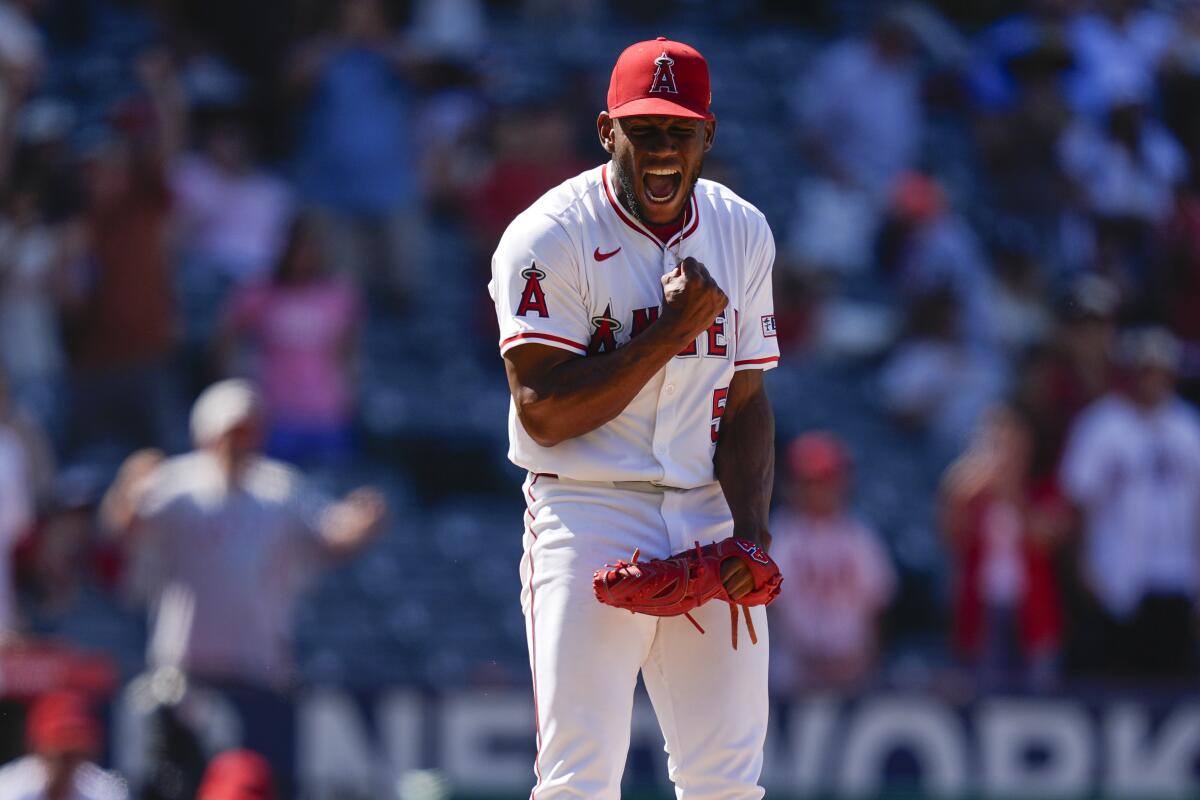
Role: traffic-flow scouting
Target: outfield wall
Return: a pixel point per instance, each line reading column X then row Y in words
column 481, row 741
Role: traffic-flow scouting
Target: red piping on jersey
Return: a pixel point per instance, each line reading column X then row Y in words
column 695, row 220
column 537, row 725
column 547, row 336
column 631, row 223
column 756, row 361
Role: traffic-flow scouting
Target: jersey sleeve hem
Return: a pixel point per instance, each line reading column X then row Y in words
column 764, row 363
column 535, row 337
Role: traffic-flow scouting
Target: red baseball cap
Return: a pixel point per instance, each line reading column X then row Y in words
column 62, row 722
column 660, row 77
column 237, row 775
column 818, row 455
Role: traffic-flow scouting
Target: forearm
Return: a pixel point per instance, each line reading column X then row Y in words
column 579, row 395
column 745, row 467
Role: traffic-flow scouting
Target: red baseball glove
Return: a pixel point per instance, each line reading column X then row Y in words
column 667, row 587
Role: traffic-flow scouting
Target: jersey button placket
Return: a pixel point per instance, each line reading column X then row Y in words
column 664, row 427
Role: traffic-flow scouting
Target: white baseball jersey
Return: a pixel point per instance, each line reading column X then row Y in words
column 575, row 271
column 1136, row 475
column 27, row 779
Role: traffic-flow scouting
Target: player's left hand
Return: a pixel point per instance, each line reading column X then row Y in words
column 735, row 570
column 736, row 577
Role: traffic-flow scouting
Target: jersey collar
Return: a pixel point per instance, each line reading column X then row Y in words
column 687, row 230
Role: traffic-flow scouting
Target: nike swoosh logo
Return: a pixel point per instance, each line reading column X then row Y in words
column 601, row 256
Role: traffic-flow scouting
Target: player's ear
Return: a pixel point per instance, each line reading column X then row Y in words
column 710, row 134
column 604, row 129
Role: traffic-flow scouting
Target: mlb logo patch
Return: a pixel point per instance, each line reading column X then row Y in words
column 768, row 325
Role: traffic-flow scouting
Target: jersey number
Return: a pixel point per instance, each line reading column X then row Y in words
column 719, row 398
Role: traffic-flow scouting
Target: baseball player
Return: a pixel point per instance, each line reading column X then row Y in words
column 636, row 321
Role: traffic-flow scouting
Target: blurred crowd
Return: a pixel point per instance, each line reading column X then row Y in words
column 207, row 208
column 1034, row 327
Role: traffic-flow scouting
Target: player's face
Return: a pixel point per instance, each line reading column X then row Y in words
column 657, row 161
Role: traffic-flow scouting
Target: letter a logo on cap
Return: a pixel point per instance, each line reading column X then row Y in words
column 664, row 76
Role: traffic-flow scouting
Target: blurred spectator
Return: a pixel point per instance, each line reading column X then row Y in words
column 237, row 775
column 1019, row 93
column 21, row 62
column 928, row 247
column 37, row 454
column 1180, row 80
column 1002, row 531
column 1028, row 44
column 1117, row 47
column 1126, row 166
column 451, row 129
column 67, row 551
column 17, row 510
column 222, row 537
column 1125, row 172
column 839, row 577
column 533, row 153
column 859, row 113
column 1132, row 465
column 32, row 256
column 1177, row 280
column 356, row 154
column 64, row 739
column 232, row 219
column 1020, row 313
column 123, row 323
column 934, row 381
column 303, row 326
column 1062, row 376
column 450, row 28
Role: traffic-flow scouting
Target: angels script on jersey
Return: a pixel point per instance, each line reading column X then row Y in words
column 605, row 328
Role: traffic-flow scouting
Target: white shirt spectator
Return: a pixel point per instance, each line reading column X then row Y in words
column 242, row 554
column 238, row 221
column 1136, row 475
column 865, row 111
column 16, row 514
column 29, row 340
column 838, row 580
column 25, row 779
column 1120, row 183
column 942, row 384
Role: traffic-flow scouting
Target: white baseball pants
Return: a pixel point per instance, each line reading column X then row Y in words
column 710, row 700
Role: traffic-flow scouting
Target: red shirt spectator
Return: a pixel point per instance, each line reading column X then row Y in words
column 1001, row 531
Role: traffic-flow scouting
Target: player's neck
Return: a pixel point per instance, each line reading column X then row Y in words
column 664, row 233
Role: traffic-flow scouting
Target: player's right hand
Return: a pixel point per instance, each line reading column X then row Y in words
column 691, row 298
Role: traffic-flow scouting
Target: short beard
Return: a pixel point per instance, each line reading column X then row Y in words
column 631, row 199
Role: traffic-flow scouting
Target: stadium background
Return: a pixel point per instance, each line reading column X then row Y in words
column 994, row 242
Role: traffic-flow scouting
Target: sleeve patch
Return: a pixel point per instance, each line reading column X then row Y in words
column 533, row 299
column 768, row 326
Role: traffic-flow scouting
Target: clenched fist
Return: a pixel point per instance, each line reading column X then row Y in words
column 691, row 299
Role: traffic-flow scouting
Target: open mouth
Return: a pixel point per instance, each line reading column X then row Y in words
column 662, row 184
